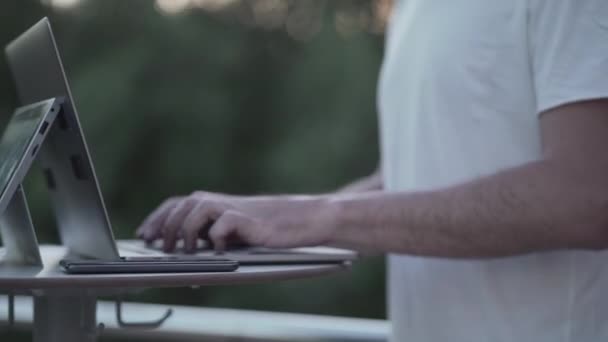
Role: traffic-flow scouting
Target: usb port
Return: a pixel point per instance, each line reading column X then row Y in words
column 43, row 128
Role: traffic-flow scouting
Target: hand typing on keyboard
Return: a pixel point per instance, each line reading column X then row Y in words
column 267, row 221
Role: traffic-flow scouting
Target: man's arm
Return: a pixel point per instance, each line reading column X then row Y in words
column 560, row 201
column 170, row 216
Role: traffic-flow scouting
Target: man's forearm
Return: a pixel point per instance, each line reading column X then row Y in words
column 537, row 206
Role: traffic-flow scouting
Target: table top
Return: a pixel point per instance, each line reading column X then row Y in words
column 50, row 276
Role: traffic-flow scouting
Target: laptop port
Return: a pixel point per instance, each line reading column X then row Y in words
column 34, row 150
column 78, row 167
column 43, row 128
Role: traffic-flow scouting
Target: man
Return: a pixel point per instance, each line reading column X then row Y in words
column 494, row 122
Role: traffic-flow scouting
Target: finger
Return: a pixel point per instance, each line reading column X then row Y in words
column 230, row 224
column 150, row 229
column 173, row 222
column 153, row 216
column 199, row 218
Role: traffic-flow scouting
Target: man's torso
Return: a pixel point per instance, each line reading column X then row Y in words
column 457, row 101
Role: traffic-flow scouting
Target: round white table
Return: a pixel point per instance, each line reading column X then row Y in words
column 65, row 305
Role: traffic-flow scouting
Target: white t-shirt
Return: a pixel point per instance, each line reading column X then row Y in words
column 461, row 88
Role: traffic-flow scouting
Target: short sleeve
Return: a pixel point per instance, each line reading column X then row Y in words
column 568, row 42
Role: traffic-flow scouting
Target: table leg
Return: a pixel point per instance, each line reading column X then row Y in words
column 62, row 318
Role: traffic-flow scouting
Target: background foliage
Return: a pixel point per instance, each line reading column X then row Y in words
column 265, row 96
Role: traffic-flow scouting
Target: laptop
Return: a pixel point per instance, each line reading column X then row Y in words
column 25, row 132
column 82, row 219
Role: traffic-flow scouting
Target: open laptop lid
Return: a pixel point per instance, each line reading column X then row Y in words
column 19, row 144
column 81, row 215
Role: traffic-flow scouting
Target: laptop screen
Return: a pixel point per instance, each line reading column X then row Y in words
column 78, row 205
column 19, row 133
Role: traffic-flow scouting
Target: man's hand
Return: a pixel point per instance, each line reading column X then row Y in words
column 268, row 221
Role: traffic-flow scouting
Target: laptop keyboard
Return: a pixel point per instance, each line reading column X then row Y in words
column 156, row 248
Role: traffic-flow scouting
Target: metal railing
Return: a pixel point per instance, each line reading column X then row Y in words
column 188, row 323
